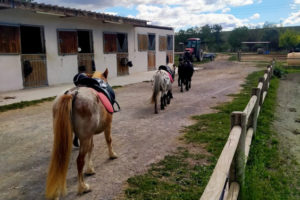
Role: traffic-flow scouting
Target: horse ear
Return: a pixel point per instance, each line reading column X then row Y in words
column 105, row 74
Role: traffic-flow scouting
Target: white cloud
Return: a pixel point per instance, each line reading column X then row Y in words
column 179, row 17
column 225, row 10
column 111, row 13
column 294, row 18
column 296, row 1
column 255, row 16
column 174, row 13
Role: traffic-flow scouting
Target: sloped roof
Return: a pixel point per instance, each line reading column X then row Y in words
column 69, row 12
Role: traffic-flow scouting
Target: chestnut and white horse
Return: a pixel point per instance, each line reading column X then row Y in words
column 78, row 110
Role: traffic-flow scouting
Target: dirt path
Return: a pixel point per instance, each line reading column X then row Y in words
column 139, row 136
column 287, row 122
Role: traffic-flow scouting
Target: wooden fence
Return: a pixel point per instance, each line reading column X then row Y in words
column 228, row 175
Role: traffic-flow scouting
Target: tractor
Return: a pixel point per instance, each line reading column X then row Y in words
column 193, row 46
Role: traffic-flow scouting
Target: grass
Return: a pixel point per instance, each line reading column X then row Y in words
column 24, row 104
column 271, row 172
column 233, row 58
column 184, row 175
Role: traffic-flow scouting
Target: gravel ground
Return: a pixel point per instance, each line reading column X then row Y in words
column 139, row 136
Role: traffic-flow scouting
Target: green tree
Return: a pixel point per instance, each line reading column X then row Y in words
column 216, row 29
column 271, row 35
column 289, row 39
column 237, row 36
column 206, row 36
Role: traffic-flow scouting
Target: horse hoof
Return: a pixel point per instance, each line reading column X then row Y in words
column 84, row 189
column 113, row 155
column 89, row 172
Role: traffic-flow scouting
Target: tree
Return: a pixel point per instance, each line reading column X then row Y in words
column 216, row 29
column 207, row 36
column 237, row 36
column 289, row 39
column 271, row 35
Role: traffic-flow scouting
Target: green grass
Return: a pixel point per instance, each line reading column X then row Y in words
column 271, row 172
column 24, row 104
column 185, row 174
column 233, row 58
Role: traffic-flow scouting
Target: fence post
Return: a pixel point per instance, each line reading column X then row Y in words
column 262, row 80
column 237, row 171
column 239, row 55
column 257, row 92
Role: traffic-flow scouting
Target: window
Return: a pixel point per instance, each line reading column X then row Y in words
column 85, row 42
column 32, row 40
column 170, row 42
column 162, row 43
column 142, row 42
column 110, row 42
column 67, row 42
column 151, row 42
column 122, row 42
column 115, row 42
column 10, row 39
column 75, row 41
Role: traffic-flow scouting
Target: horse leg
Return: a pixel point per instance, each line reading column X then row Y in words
column 168, row 97
column 155, row 106
column 107, row 133
column 75, row 141
column 84, row 148
column 90, row 167
column 162, row 103
column 187, row 85
column 181, row 86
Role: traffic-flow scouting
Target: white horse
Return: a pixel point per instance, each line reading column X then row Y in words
column 162, row 83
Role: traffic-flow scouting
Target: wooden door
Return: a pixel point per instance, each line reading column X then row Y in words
column 121, row 68
column 86, row 61
column 151, row 61
column 170, row 56
column 34, row 70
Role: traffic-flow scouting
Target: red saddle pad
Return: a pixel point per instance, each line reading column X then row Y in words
column 105, row 101
column 170, row 76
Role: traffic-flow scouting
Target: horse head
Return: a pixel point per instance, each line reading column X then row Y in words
column 100, row 75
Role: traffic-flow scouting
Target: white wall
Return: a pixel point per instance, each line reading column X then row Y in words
column 61, row 69
column 141, row 56
column 10, row 72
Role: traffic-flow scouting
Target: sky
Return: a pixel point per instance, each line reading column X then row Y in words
column 184, row 14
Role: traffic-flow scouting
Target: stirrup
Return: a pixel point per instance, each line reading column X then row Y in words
column 118, row 109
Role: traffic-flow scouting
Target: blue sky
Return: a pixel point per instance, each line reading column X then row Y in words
column 182, row 14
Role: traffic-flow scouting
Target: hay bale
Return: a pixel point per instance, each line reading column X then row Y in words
column 293, row 59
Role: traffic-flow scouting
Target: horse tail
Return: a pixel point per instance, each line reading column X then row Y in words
column 62, row 147
column 156, row 87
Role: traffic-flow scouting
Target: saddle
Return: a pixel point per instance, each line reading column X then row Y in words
column 103, row 89
column 169, row 70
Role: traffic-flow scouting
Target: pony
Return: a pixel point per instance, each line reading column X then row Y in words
column 185, row 72
column 78, row 110
column 162, row 83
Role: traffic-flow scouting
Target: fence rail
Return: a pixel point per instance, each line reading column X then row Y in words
column 228, row 175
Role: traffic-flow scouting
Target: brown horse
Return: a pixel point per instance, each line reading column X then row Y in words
column 79, row 110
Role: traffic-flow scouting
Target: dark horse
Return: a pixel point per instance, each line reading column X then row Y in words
column 185, row 71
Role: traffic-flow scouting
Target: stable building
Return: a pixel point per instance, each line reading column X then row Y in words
column 42, row 45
